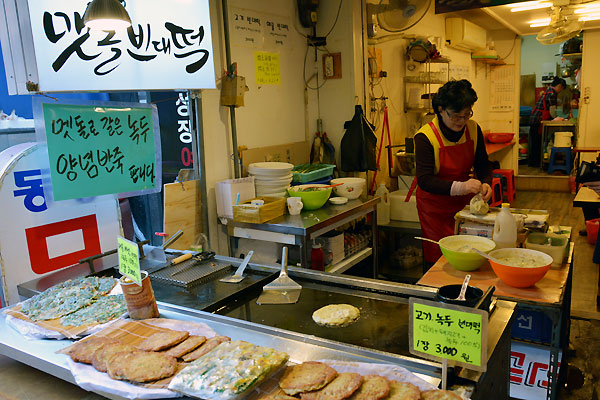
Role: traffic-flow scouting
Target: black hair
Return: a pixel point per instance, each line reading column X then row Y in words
column 559, row 81
column 455, row 96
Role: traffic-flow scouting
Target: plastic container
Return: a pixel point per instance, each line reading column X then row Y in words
column 319, row 171
column 562, row 139
column 449, row 293
column 591, row 226
column 140, row 300
column 505, row 228
column 317, row 258
column 401, row 210
column 551, row 244
column 383, row 207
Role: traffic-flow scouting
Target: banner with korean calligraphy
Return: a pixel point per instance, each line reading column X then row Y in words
column 101, row 148
column 168, row 46
column 440, row 331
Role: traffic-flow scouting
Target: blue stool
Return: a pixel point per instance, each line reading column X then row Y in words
column 566, row 167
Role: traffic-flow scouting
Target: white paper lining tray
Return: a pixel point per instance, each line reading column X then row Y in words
column 191, row 272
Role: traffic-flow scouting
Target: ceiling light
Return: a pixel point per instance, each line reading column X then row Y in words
column 590, row 17
column 536, row 5
column 539, row 22
column 595, row 8
column 106, row 15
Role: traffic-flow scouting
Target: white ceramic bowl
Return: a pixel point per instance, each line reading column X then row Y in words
column 351, row 188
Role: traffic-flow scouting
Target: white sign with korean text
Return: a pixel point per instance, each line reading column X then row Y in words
column 40, row 236
column 168, row 46
column 529, row 370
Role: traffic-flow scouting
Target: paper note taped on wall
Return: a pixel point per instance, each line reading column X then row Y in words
column 268, row 68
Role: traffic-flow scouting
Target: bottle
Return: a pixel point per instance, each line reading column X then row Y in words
column 317, row 260
column 383, row 207
column 505, row 228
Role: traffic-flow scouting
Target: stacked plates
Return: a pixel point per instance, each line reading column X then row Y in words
column 271, row 178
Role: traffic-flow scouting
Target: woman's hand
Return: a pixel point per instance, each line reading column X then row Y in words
column 486, row 192
column 463, row 188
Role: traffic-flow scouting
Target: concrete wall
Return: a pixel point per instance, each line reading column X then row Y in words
column 536, row 54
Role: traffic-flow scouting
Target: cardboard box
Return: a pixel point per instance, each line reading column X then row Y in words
column 272, row 208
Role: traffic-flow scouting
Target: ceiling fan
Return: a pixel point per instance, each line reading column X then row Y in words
column 564, row 22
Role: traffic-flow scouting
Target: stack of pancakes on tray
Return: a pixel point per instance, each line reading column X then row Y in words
column 313, row 380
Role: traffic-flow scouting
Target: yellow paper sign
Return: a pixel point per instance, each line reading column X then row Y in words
column 267, row 67
column 129, row 260
column 444, row 331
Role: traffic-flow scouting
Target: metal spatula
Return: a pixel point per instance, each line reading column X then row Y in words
column 238, row 276
column 283, row 290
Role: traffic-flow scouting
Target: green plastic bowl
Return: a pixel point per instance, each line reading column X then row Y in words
column 311, row 200
column 465, row 260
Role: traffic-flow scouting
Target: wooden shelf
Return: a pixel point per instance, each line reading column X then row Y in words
column 572, row 55
column 492, row 148
column 350, row 261
column 491, row 61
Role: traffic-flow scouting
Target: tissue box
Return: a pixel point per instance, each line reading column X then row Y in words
column 272, row 208
column 226, row 192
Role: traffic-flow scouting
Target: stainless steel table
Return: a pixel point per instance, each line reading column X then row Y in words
column 301, row 229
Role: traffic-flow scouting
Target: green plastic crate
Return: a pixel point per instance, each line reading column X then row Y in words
column 322, row 171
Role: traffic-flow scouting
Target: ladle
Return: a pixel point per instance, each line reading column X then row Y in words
column 428, row 240
column 461, row 249
column 463, row 289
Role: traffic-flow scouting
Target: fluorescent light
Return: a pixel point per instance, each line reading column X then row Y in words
column 536, row 5
column 583, row 10
column 590, row 17
column 539, row 22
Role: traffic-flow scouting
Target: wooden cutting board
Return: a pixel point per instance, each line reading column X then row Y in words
column 183, row 210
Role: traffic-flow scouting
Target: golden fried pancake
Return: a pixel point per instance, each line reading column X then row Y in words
column 342, row 387
column 102, row 355
column 336, row 315
column 163, row 340
column 141, row 366
column 186, row 346
column 374, row 387
column 403, row 391
column 439, row 395
column 278, row 395
column 305, row 377
column 83, row 351
column 205, row 348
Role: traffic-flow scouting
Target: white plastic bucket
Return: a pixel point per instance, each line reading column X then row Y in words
column 562, row 139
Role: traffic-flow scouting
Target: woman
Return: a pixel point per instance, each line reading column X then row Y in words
column 446, row 151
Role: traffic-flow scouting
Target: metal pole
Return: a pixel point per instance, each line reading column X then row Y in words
column 230, row 72
column 195, row 110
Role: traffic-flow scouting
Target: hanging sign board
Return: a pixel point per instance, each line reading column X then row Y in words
column 168, row 46
column 129, row 260
column 439, row 331
column 98, row 149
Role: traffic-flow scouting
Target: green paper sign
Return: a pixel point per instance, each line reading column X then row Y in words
column 129, row 260
column 440, row 331
column 96, row 150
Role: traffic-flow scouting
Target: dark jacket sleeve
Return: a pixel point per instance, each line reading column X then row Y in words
column 482, row 165
column 425, row 160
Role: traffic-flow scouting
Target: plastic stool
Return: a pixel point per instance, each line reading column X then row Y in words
column 496, row 198
column 560, row 167
column 509, row 176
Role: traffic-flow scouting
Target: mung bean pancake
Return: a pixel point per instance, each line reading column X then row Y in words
column 189, row 344
column 374, row 387
column 102, row 355
column 439, row 395
column 163, row 340
column 342, row 387
column 305, row 377
column 105, row 309
column 208, row 346
column 403, row 391
column 336, row 315
column 141, row 366
column 83, row 351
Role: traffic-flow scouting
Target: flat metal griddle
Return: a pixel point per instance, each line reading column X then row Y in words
column 383, row 324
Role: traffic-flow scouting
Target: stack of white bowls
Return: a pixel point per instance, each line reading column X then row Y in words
column 271, row 178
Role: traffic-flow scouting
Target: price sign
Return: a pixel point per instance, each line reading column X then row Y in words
column 267, row 67
column 440, row 331
column 101, row 149
column 129, row 260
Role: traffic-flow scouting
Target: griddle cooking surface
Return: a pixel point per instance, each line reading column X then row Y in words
column 383, row 325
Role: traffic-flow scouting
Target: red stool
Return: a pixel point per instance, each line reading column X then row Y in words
column 496, row 199
column 509, row 175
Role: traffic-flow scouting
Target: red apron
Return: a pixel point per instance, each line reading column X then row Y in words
column 436, row 211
